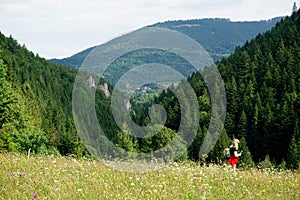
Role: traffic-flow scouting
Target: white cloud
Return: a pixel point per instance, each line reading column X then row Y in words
column 60, row 28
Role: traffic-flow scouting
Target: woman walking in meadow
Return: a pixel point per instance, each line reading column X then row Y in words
column 234, row 155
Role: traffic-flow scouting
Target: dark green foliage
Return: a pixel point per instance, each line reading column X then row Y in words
column 217, row 154
column 37, row 103
column 194, row 148
column 19, row 120
column 263, row 104
column 169, row 101
column 219, row 37
column 293, row 157
column 262, row 86
column 246, row 158
column 263, row 96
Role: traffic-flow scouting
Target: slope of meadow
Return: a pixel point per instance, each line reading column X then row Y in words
column 48, row 177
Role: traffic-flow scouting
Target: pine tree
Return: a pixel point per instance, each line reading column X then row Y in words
column 19, row 130
column 194, row 148
column 217, row 153
column 246, row 158
column 241, row 131
column 294, row 9
column 6, row 100
column 233, row 106
column 293, row 160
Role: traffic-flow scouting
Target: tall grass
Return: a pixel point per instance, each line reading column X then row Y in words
column 48, row 177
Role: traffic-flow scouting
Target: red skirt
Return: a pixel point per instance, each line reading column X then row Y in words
column 233, row 160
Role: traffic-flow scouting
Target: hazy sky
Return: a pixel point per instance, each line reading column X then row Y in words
column 61, row 28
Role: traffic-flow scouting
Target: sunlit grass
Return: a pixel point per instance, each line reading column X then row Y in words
column 47, row 177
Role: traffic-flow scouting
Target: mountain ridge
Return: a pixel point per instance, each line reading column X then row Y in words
column 262, row 90
column 217, row 44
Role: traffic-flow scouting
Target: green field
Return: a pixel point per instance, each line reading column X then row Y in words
column 48, row 177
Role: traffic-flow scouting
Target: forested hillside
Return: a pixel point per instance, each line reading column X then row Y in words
column 263, row 97
column 35, row 103
column 263, row 100
column 263, row 92
column 219, row 37
column 263, row 103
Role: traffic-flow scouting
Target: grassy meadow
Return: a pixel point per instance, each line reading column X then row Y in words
column 48, row 177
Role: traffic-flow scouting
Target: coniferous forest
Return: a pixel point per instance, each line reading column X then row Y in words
column 262, row 82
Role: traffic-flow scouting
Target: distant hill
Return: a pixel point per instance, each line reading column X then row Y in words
column 262, row 91
column 218, row 36
column 75, row 60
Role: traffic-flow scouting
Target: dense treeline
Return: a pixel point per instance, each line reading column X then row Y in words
column 263, row 92
column 35, row 103
column 262, row 88
column 263, row 104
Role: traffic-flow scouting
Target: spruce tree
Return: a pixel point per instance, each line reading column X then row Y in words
column 293, row 157
column 246, row 158
column 294, row 9
column 241, row 131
